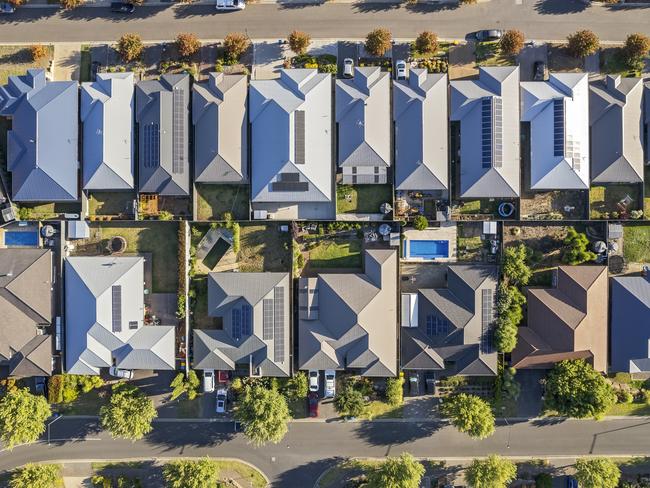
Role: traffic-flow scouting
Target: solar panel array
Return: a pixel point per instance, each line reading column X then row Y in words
column 497, row 132
column 558, row 127
column 278, row 324
column 293, row 186
column 486, row 132
column 246, row 320
column 487, row 318
column 437, row 326
column 299, row 136
column 573, row 152
column 267, row 319
column 151, row 146
column 116, row 306
column 178, row 147
column 236, row 324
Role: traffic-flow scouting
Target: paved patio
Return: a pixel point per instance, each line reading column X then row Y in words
column 446, row 232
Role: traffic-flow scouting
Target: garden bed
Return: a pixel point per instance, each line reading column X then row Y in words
column 325, row 63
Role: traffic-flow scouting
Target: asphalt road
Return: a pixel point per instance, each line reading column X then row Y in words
column 538, row 19
column 309, row 448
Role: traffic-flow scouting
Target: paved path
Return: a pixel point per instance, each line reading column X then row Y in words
column 66, row 61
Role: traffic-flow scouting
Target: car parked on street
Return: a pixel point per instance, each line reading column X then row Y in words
column 208, row 380
column 126, row 374
column 231, row 5
column 488, row 35
column 122, row 7
column 330, row 383
column 400, row 69
column 222, row 399
column 314, row 380
column 312, row 401
column 348, row 68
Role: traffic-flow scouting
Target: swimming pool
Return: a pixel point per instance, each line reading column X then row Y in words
column 426, row 249
column 21, row 239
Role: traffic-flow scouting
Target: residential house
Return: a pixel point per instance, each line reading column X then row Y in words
column 291, row 145
column 220, row 118
column 42, row 151
column 615, row 116
column 630, row 324
column 348, row 321
column 487, row 112
column 364, row 126
column 566, row 321
column 253, row 313
column 421, row 133
column 162, row 114
column 108, row 128
column 557, row 112
column 26, row 307
column 105, row 318
column 449, row 331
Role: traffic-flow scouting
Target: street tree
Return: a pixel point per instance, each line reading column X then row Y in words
column 583, row 43
column 22, row 417
column 426, row 42
column 378, row 41
column 130, row 47
column 36, row 476
column 38, row 51
column 299, row 41
column 512, row 42
column 515, row 265
column 470, row 414
column 636, row 48
column 396, row 472
column 70, row 4
column 264, row 413
column 235, row 45
column 191, row 474
column 349, row 402
column 575, row 389
column 603, row 473
column 185, row 384
column 187, row 44
column 492, row 472
column 129, row 413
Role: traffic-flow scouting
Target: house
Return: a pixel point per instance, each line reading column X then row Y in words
column 630, row 324
column 162, row 114
column 615, row 116
column 449, row 331
column 364, row 126
column 220, row 118
column 558, row 113
column 105, row 326
column 108, row 128
column 348, row 321
column 253, row 311
column 42, row 151
column 487, row 111
column 421, row 132
column 566, row 321
column 26, row 307
column 291, row 145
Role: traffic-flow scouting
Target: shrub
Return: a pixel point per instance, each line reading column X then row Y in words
column 583, row 43
column 515, row 265
column 187, row 44
column 624, row 396
column 603, row 473
column 191, row 474
column 576, row 251
column 39, row 51
column 296, row 387
column 395, row 391
column 235, row 45
column 236, row 232
column 55, row 389
column 378, row 42
column 185, row 384
column 165, row 215
column 328, row 68
column 420, row 222
column 645, row 396
column 426, row 42
column 36, row 476
column 636, row 47
column 512, row 42
column 299, row 41
column 70, row 4
column 130, row 47
column 349, row 402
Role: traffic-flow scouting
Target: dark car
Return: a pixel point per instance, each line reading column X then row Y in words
column 122, row 7
column 312, row 400
column 488, row 35
column 7, row 8
column 539, row 71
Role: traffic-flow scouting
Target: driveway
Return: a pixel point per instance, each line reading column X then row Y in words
column 347, row 49
column 527, row 58
column 401, row 50
column 530, row 396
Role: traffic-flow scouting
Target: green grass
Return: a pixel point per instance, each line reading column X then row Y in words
column 631, row 409
column 470, row 207
column 364, row 198
column 604, row 199
column 613, row 62
column 333, row 476
column 489, row 54
column 119, row 465
column 336, row 253
column 469, row 248
column 264, row 248
column 377, row 409
column 85, row 404
column 111, row 203
column 213, row 200
column 16, row 60
column 39, row 211
column 246, row 475
column 298, row 408
column 636, row 243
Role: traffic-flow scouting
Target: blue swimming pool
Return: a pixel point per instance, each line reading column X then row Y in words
column 427, row 249
column 21, row 239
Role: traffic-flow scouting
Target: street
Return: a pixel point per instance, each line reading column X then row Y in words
column 538, row 19
column 311, row 447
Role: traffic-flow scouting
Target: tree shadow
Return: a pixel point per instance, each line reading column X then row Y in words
column 85, row 13
column 24, row 15
column 387, row 433
column 175, row 435
column 559, row 7
column 366, row 7
column 71, row 430
column 548, row 421
column 300, row 5
column 427, row 8
column 305, row 474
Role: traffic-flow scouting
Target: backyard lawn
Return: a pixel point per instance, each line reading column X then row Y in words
column 636, row 243
column 469, row 248
column 336, row 253
column 16, row 60
column 362, row 198
column 119, row 204
column 214, row 200
column 43, row 211
column 264, row 248
column 603, row 200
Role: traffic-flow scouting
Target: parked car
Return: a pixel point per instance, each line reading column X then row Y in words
column 312, row 400
column 539, row 71
column 208, row 380
column 314, row 380
column 330, row 383
column 231, row 5
column 400, row 69
column 571, row 482
column 348, row 68
column 40, row 385
column 122, row 7
column 488, row 35
column 222, row 398
column 127, row 374
column 7, row 8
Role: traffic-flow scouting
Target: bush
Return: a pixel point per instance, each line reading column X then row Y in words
column 645, row 396
column 515, row 265
column 187, row 44
column 378, row 42
column 395, row 391
column 583, row 43
column 191, row 474
column 70, row 4
column 39, row 51
column 185, row 384
column 420, row 222
column 165, row 215
column 426, row 42
column 130, row 47
column 235, row 45
column 36, row 476
column 543, row 480
column 328, row 68
column 624, row 396
column 349, row 402
column 236, row 231
column 296, row 387
column 299, row 41
column 576, row 251
column 55, row 389
column 636, row 48
column 511, row 42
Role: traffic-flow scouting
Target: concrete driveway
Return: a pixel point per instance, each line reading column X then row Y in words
column 401, row 50
column 527, row 58
column 347, row 49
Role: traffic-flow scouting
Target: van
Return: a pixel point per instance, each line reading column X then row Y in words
column 208, row 380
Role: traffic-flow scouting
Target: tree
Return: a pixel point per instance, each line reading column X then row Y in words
column 576, row 251
column 636, row 48
column 299, row 41
column 36, row 476
column 510, row 313
column 603, row 473
column 235, row 45
column 493, row 472
column 187, row 44
column 470, row 414
column 130, row 47
column 426, row 42
column 396, row 472
column 505, row 335
column 16, row 3
column 543, row 480
column 38, row 51
column 191, row 474
column 512, row 42
column 515, row 265
column 420, row 222
column 70, row 4
column 264, row 413
column 378, row 41
column 185, row 384
column 297, row 386
column 349, row 402
column 583, row 43
column 395, row 391
column 129, row 413
column 575, row 389
column 22, row 417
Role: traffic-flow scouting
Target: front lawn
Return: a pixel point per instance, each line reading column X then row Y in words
column 16, row 60
column 85, row 404
column 636, row 243
column 362, row 198
column 264, row 248
column 489, row 54
column 242, row 474
column 213, row 201
column 629, row 409
column 613, row 62
column 336, row 253
column 378, row 409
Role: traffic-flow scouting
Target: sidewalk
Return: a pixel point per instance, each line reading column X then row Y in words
column 157, row 3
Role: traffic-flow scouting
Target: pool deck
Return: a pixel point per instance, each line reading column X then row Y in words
column 446, row 232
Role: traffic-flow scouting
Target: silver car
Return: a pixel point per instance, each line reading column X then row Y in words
column 348, row 68
column 330, row 383
column 400, row 69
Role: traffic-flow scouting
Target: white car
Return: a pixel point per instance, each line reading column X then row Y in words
column 127, row 374
column 348, row 68
column 330, row 383
column 222, row 395
column 314, row 377
column 208, row 380
column 231, row 5
column 400, row 69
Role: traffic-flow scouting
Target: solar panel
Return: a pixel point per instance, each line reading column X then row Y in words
column 299, row 136
column 151, row 146
column 437, row 326
column 486, row 132
column 267, row 319
column 558, row 127
column 294, row 177
column 236, row 324
column 487, row 318
column 497, row 133
column 278, row 324
column 116, row 292
column 178, row 148
column 246, row 328
column 292, row 186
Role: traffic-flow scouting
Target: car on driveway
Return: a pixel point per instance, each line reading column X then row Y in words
column 40, row 385
column 488, row 35
column 122, row 7
column 348, row 68
column 222, row 398
column 312, row 401
column 539, row 71
column 330, row 383
column 231, row 5
column 400, row 69
column 127, row 374
column 314, row 380
column 208, row 380
column 7, row 8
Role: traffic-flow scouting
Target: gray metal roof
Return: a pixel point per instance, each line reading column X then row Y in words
column 286, row 115
column 488, row 112
column 42, row 144
column 558, row 112
column 352, row 322
column 163, row 113
column 267, row 346
column 108, row 130
column 421, row 131
column 615, row 113
column 219, row 115
column 104, row 305
column 630, row 324
column 363, row 117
